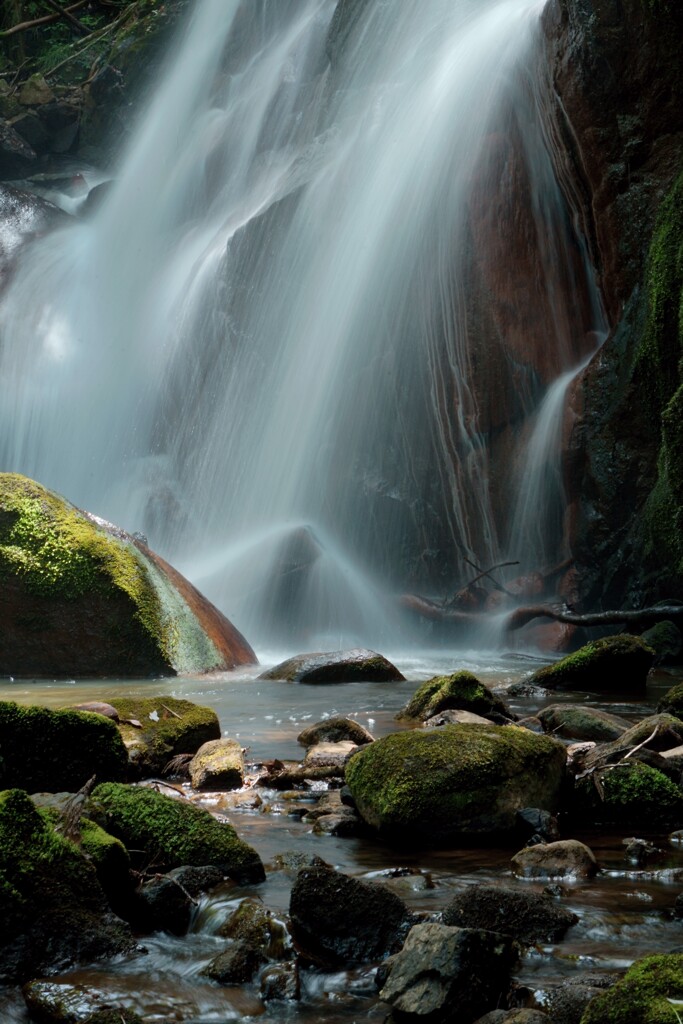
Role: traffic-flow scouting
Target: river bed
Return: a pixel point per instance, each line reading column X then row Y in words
column 624, row 913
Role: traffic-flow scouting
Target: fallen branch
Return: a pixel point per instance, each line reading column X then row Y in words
column 64, row 12
column 290, row 777
column 46, row 19
column 560, row 613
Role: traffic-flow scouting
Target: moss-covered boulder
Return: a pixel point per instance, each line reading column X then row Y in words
column 459, row 691
column 80, row 597
column 672, row 701
column 665, row 640
column 437, row 784
column 643, row 996
column 355, row 665
column 628, row 795
column 173, row 832
column 53, row 909
column 613, row 663
column 168, row 726
column 42, row 749
column 579, row 722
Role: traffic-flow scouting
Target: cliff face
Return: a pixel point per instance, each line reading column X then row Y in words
column 617, row 77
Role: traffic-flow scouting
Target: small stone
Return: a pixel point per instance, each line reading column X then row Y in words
column 567, row 858
column 218, row 764
column 35, row 92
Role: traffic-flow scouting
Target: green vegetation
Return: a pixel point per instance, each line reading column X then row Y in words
column 631, row 794
column 642, row 996
column 460, row 778
column 672, row 701
column 176, row 727
column 614, row 662
column 53, row 751
column 173, row 832
column 462, row 691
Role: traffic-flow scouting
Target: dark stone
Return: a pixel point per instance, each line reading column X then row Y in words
column 567, row 1001
column 59, row 1002
column 528, row 917
column 236, row 966
column 338, row 920
column 164, row 906
column 533, row 821
column 16, row 156
column 356, row 665
column 334, row 730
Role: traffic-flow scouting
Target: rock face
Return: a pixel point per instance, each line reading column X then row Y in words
column 437, row 784
column 617, row 75
column 82, row 598
column 444, row 974
column 355, row 665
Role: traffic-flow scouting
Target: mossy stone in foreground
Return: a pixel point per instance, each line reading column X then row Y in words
column 55, row 751
column 79, row 597
column 174, row 832
column 613, row 663
column 459, row 691
column 437, row 784
column 170, row 726
column 642, row 996
column 672, row 701
column 632, row 793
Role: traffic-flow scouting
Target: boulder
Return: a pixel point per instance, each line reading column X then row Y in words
column 356, row 665
column 459, row 691
column 53, row 751
column 566, row 1002
column 437, row 784
column 218, row 764
column 338, row 920
column 528, row 917
column 613, row 663
column 54, row 911
column 82, row 598
column 445, row 974
column 63, row 1002
column 236, row 965
column 173, row 832
column 331, row 755
column 456, row 717
column 335, row 730
column 22, row 217
column 258, row 927
column 578, row 722
column 665, row 640
column 643, row 995
column 627, row 796
column 672, row 701
column 516, row 1016
column 163, row 905
column 567, row 858
column 16, row 156
column 35, row 91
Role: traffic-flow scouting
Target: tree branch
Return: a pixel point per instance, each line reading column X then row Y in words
column 47, row 19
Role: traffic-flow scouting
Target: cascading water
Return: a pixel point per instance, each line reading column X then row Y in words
column 282, row 347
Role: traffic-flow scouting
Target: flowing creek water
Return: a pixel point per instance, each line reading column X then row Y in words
column 625, row 912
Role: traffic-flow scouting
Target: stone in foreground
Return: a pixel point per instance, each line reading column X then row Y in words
column 643, row 996
column 218, row 764
column 80, row 597
column 353, row 666
column 447, row 974
column 440, row 783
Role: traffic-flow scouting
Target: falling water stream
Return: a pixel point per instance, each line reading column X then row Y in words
column 275, row 349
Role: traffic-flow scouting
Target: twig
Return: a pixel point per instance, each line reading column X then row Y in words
column 486, row 572
column 174, row 713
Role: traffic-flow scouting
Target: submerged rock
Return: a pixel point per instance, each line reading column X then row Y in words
column 440, row 783
column 529, row 917
column 338, row 920
column 83, row 598
column 459, row 691
column 613, row 663
column 355, row 665
column 445, row 974
column 173, row 832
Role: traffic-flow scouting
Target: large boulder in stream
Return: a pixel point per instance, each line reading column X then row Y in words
column 459, row 691
column 53, row 909
column 614, row 663
column 438, row 784
column 352, row 666
column 80, row 597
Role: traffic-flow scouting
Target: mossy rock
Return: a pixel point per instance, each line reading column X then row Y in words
column 63, row 1002
column 613, row 663
column 78, row 597
column 53, row 909
column 459, row 691
column 628, row 796
column 170, row 726
column 174, row 832
column 642, row 996
column 672, row 701
column 579, row 722
column 46, row 750
column 438, row 784
column 665, row 640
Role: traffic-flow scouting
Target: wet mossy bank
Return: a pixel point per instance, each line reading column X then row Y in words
column 80, row 597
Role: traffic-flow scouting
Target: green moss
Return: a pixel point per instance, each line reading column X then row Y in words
column 672, row 701
column 460, row 778
column 641, row 997
column 615, row 661
column 462, row 690
column 632, row 793
column 173, row 832
column 181, row 728
column 53, row 751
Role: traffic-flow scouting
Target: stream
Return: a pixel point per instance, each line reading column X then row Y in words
column 624, row 913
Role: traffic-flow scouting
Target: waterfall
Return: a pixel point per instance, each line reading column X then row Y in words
column 287, row 346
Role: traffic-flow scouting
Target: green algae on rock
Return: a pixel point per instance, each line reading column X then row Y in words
column 437, row 784
column 80, row 597
column 643, row 995
column 46, row 750
column 461, row 690
column 672, row 701
column 630, row 793
column 615, row 662
column 174, row 832
column 53, row 908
